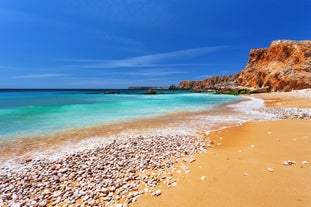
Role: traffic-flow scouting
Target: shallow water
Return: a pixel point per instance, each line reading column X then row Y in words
column 197, row 123
column 27, row 113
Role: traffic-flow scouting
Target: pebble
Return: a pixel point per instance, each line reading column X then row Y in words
column 28, row 160
column 245, row 174
column 108, row 172
column 288, row 113
column 42, row 203
column 289, row 162
column 157, row 193
column 203, row 177
column 269, row 169
column 304, row 162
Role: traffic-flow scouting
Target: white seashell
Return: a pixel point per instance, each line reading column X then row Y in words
column 157, row 193
column 203, row 177
column 305, row 162
column 285, row 163
column 269, row 169
column 289, row 162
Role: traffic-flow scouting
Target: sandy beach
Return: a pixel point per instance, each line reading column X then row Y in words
column 120, row 103
column 258, row 163
column 250, row 165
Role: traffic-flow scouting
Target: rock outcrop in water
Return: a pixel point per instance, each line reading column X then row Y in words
column 151, row 92
column 284, row 66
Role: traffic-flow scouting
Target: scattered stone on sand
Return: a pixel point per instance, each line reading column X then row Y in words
column 288, row 113
column 29, row 159
column 108, row 175
column 269, row 169
column 304, row 162
column 157, row 193
column 289, row 162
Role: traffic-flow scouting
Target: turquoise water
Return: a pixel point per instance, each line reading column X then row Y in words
column 35, row 112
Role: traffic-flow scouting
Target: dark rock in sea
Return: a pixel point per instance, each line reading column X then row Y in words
column 112, row 92
column 151, row 92
column 173, row 87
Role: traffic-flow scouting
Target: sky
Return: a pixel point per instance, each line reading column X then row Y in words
column 121, row 43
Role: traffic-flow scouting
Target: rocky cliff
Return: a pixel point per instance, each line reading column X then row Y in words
column 211, row 84
column 284, row 66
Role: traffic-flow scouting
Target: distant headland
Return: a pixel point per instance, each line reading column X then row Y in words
column 147, row 87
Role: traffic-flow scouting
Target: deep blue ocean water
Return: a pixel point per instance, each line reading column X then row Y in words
column 35, row 112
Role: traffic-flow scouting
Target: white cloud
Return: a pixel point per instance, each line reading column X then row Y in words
column 206, row 76
column 151, row 60
column 156, row 72
column 46, row 75
column 4, row 67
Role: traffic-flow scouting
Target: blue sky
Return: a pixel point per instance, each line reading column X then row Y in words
column 121, row 43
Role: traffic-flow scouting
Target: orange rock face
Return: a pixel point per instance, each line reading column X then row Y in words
column 214, row 83
column 284, row 66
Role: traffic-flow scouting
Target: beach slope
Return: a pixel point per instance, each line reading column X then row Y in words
column 265, row 163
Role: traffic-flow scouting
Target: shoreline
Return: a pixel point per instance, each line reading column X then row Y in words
column 248, row 165
column 55, row 145
column 140, row 165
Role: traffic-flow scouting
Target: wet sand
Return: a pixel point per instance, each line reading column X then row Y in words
column 245, row 168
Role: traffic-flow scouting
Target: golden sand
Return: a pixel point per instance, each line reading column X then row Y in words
column 234, row 172
column 301, row 99
column 237, row 171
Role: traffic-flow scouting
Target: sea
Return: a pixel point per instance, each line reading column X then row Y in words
column 27, row 113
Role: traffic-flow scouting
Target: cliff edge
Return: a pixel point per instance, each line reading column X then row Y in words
column 284, row 66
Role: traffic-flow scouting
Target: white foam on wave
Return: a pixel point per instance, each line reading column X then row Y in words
column 197, row 125
column 251, row 110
